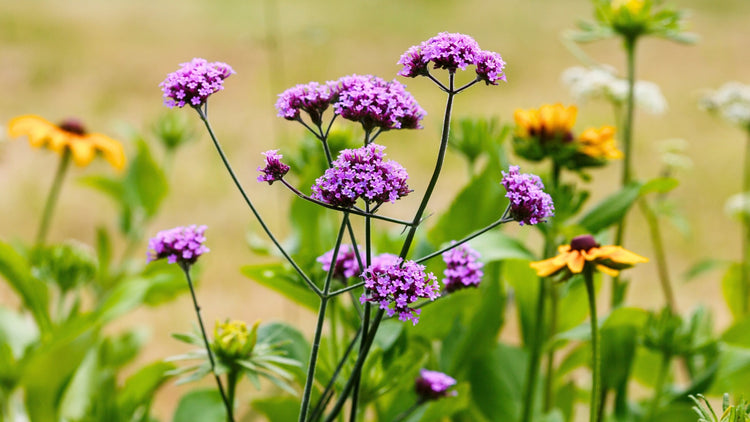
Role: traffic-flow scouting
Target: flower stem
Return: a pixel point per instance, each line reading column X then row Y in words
column 661, row 259
column 54, row 194
column 588, row 277
column 618, row 290
column 550, row 242
column 249, row 203
column 227, row 404
column 527, row 413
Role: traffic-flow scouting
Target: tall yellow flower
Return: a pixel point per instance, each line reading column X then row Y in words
column 584, row 249
column 599, row 143
column 71, row 136
column 548, row 122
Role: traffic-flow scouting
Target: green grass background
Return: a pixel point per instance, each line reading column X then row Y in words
column 101, row 61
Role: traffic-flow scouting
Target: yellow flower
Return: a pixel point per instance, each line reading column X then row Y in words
column 234, row 339
column 549, row 122
column 599, row 143
column 634, row 6
column 584, row 249
column 71, row 136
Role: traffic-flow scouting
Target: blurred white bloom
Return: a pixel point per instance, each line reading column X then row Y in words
column 673, row 154
column 601, row 82
column 731, row 101
column 738, row 206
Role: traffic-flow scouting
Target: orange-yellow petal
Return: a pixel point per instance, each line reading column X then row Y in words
column 82, row 151
column 575, row 261
column 606, row 270
column 547, row 267
column 111, row 149
column 34, row 127
column 617, row 254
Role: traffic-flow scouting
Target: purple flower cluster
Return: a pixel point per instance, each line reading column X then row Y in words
column 398, row 285
column 432, row 385
column 194, row 82
column 274, row 169
column 361, row 173
column 312, row 98
column 180, row 244
column 529, row 204
column 452, row 52
column 346, row 264
column 375, row 102
column 463, row 268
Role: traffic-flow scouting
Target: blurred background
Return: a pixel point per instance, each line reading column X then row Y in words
column 102, row 62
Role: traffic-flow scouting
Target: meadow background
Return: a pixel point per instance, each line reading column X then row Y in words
column 102, row 62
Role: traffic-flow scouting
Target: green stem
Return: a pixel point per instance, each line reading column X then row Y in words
column 618, row 290
column 227, row 404
column 659, row 387
column 403, row 415
column 746, row 238
column 232, row 379
column 534, row 354
column 550, row 240
column 660, row 256
column 588, row 276
column 54, row 194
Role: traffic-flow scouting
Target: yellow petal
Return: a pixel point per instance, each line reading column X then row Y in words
column 83, row 151
column 606, row 270
column 575, row 262
column 34, row 127
column 547, row 267
column 111, row 149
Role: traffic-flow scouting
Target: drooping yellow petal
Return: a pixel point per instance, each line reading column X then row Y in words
column 621, row 255
column 547, row 267
column 111, row 149
column 34, row 127
column 575, row 261
column 82, row 151
column 606, row 270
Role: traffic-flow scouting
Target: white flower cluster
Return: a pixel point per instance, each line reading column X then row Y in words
column 731, row 101
column 601, row 82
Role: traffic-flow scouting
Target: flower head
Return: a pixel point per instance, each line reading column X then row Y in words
column 312, row 98
column 376, row 103
column 346, row 264
column 550, row 122
column 274, row 169
column 731, row 102
column 490, row 67
column 194, row 82
column 361, row 173
column 529, row 204
column 179, row 245
column 583, row 250
column 398, row 285
column 463, row 268
column 69, row 136
column 599, row 143
column 432, row 385
column 232, row 339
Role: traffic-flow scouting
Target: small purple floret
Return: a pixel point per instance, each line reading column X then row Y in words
column 346, row 265
column 361, row 173
column 529, row 204
column 432, row 385
column 312, row 98
column 463, row 268
column 194, row 82
column 274, row 169
column 376, row 103
column 490, row 67
column 180, row 244
column 394, row 287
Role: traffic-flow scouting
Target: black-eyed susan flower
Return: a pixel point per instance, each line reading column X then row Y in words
column 550, row 122
column 599, row 143
column 582, row 251
column 69, row 136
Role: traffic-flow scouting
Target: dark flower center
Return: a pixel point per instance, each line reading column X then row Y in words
column 583, row 243
column 73, row 126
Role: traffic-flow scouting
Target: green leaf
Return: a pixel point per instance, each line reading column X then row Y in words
column 619, row 335
column 733, row 374
column 123, row 298
column 525, row 284
column 611, row 209
column 498, row 246
column 280, row 408
column 291, row 341
column 704, row 266
column 500, row 374
column 105, row 184
column 732, row 288
column 140, row 388
column 145, row 183
column 201, row 405
column 276, row 277
column 32, row 291
column 738, row 334
column 17, row 331
column 659, row 185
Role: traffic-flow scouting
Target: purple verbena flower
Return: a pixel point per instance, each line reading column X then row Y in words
column 194, row 82
column 432, row 385
column 394, row 287
column 490, row 67
column 180, row 244
column 274, row 169
column 376, row 103
column 312, row 98
column 444, row 51
column 346, row 265
column 361, row 173
column 529, row 204
column 463, row 268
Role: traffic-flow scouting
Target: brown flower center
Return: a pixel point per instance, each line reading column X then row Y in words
column 73, row 126
column 583, row 243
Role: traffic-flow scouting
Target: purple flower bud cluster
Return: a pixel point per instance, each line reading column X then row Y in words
column 375, row 102
column 463, row 268
column 432, row 385
column 529, row 204
column 194, row 82
column 361, row 173
column 274, row 169
column 312, row 98
column 346, row 264
column 180, row 244
column 452, row 52
column 394, row 287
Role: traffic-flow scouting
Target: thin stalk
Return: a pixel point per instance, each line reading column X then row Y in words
column 54, row 194
column 319, row 326
column 232, row 379
column 535, row 354
column 660, row 256
column 204, row 117
column 659, row 387
column 746, row 238
column 618, row 290
column 588, row 277
column 403, row 415
column 227, row 404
